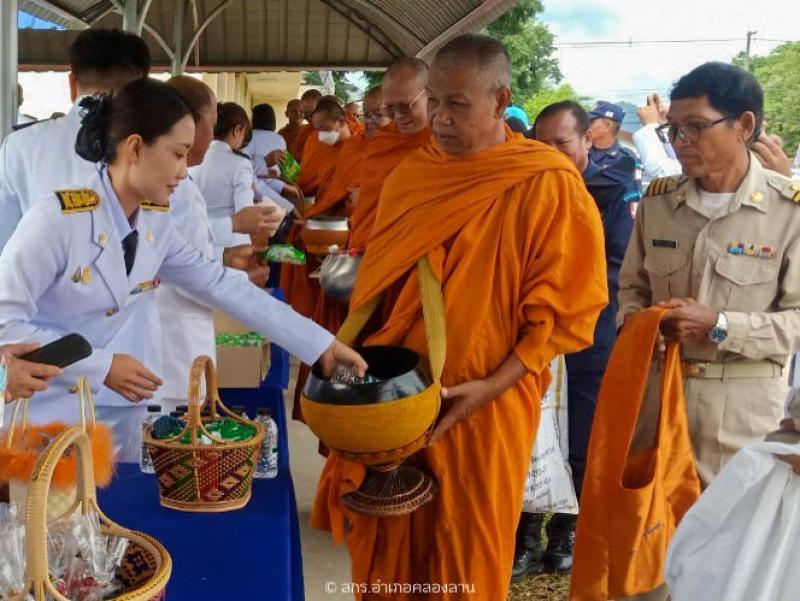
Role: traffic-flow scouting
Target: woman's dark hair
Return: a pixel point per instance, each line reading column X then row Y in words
column 730, row 90
column 229, row 116
column 146, row 107
column 264, row 117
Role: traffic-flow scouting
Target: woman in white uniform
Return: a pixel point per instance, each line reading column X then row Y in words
column 82, row 259
column 225, row 177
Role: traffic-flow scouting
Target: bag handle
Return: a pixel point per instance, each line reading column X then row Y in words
column 37, row 578
column 85, row 401
column 432, row 312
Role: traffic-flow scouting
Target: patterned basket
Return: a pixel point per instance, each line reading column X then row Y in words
column 146, row 567
column 204, row 478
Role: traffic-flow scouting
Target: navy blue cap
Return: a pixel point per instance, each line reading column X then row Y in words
column 608, row 110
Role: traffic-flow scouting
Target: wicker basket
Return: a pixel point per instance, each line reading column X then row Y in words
column 61, row 498
column 204, row 478
column 146, row 567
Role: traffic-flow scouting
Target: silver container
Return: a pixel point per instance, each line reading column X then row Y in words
column 338, row 275
column 329, row 224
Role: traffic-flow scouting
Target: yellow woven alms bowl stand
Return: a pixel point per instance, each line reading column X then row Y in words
column 146, row 567
column 383, row 435
column 204, row 478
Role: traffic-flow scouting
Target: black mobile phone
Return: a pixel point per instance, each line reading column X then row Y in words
column 62, row 352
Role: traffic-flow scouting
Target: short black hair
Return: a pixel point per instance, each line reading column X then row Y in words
column 264, row 117
column 108, row 56
column 331, row 107
column 311, row 93
column 729, row 89
column 229, row 116
column 144, row 106
column 570, row 106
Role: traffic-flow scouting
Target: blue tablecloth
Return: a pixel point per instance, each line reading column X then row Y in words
column 252, row 553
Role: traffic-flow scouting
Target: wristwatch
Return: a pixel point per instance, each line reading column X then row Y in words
column 719, row 332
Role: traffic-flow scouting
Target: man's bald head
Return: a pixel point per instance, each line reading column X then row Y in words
column 468, row 91
column 373, row 118
column 352, row 109
column 404, row 98
column 294, row 112
column 203, row 103
column 308, row 102
column 487, row 55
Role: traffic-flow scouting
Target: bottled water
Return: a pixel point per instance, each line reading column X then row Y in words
column 145, row 461
column 267, row 466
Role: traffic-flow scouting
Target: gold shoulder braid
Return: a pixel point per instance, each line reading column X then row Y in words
column 149, row 205
column 78, row 200
column 788, row 188
column 665, row 185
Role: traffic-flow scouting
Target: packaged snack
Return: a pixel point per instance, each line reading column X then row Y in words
column 290, row 168
column 284, row 253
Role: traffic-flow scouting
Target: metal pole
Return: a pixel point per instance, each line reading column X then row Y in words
column 8, row 66
column 130, row 16
column 750, row 35
column 177, row 36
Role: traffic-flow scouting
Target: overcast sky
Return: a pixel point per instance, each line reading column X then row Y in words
column 628, row 73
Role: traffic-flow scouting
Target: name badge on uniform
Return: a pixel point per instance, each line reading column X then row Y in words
column 748, row 249
column 665, row 243
column 146, row 286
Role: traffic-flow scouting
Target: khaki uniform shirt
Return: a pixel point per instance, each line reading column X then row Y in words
column 744, row 261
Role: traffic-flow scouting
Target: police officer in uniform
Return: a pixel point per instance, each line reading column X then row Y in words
column 82, row 260
column 565, row 126
column 717, row 246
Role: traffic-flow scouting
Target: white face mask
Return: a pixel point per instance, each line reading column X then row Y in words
column 329, row 137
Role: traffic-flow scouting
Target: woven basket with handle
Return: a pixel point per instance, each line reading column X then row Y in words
column 204, row 478
column 146, row 567
column 20, row 457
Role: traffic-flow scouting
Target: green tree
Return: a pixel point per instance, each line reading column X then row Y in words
column 530, row 44
column 779, row 75
column 548, row 96
column 344, row 89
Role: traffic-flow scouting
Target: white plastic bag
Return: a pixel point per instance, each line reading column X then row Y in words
column 741, row 540
column 549, row 486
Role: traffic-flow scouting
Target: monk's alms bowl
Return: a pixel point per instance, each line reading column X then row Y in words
column 321, row 232
column 338, row 275
column 378, row 417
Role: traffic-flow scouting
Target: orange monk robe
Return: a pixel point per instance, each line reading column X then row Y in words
column 296, row 137
column 501, row 229
column 354, row 125
column 289, row 133
column 385, row 152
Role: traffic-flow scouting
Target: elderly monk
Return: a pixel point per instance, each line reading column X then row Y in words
column 499, row 218
column 405, row 101
column 351, row 113
column 297, row 135
column 294, row 113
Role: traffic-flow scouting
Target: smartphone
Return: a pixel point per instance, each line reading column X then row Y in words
column 62, row 352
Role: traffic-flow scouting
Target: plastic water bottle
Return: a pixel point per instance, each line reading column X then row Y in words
column 145, row 461
column 241, row 411
column 267, row 466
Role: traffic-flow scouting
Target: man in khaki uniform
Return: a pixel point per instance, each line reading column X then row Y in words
column 718, row 245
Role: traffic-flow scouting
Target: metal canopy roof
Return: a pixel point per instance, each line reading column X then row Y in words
column 259, row 35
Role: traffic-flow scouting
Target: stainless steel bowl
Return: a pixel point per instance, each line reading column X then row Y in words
column 327, row 223
column 338, row 275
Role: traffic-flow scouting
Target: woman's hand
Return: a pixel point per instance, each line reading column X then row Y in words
column 340, row 354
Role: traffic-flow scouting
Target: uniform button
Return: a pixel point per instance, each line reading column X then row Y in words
column 102, row 239
column 149, row 237
column 73, row 389
column 111, row 312
column 794, row 187
column 756, row 197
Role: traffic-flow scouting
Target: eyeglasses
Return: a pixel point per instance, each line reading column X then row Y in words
column 689, row 133
column 401, row 108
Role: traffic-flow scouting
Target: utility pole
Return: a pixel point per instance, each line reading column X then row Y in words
column 750, row 35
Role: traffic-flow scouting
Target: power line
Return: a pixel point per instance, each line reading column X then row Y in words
column 612, row 43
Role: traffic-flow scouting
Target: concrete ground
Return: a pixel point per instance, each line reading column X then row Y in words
column 323, row 563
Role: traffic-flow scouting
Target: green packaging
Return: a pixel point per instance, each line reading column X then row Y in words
column 290, row 168
column 284, row 253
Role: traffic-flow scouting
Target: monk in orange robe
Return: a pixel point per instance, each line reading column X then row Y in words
column 351, row 111
column 294, row 113
column 404, row 101
column 499, row 218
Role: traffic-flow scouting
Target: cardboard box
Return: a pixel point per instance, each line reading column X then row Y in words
column 239, row 366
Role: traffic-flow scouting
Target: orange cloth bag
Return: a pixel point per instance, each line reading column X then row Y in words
column 633, row 500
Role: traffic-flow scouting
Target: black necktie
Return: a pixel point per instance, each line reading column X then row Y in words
column 129, row 244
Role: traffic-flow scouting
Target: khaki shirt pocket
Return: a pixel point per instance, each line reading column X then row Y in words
column 744, row 283
column 666, row 269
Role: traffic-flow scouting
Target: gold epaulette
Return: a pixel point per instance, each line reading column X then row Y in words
column 149, row 205
column 788, row 187
column 80, row 200
column 664, row 185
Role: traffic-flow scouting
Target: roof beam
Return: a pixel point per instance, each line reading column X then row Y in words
column 61, row 12
column 366, row 26
column 206, row 22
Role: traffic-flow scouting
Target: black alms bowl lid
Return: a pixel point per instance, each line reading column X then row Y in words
column 397, row 370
